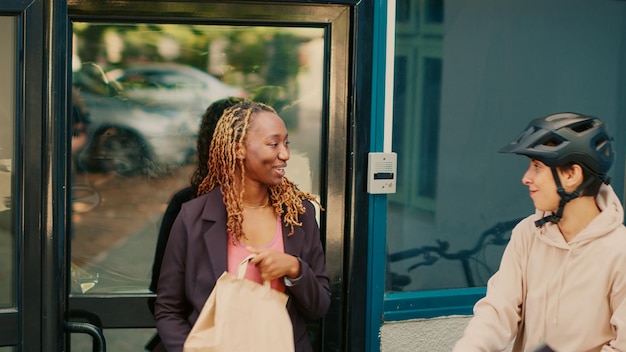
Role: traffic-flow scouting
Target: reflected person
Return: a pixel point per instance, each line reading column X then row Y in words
column 244, row 205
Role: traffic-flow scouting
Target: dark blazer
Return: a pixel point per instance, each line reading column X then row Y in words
column 195, row 258
column 173, row 208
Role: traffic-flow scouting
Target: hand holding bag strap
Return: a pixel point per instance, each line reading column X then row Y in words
column 243, row 266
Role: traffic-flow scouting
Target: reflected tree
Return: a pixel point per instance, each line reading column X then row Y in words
column 263, row 60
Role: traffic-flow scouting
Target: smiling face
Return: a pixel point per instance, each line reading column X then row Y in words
column 266, row 149
column 542, row 186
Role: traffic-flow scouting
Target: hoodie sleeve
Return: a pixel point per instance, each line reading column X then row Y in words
column 497, row 316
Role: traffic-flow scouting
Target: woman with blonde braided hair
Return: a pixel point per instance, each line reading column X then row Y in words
column 245, row 205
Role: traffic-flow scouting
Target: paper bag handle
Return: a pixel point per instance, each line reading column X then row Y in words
column 243, row 266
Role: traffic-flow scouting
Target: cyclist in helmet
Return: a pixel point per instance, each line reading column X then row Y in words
column 562, row 278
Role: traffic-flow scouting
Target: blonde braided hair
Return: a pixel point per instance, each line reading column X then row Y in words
column 230, row 133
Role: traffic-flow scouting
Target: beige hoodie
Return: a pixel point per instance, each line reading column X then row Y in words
column 572, row 295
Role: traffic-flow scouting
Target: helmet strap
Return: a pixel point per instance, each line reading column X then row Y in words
column 565, row 198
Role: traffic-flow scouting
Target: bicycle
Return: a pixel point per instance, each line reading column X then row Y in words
column 498, row 235
column 84, row 198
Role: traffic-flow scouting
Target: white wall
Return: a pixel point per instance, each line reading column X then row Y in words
column 428, row 335
column 431, row 335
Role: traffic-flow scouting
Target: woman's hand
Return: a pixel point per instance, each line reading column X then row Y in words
column 273, row 264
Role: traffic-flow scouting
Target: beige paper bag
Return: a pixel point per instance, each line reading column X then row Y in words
column 242, row 315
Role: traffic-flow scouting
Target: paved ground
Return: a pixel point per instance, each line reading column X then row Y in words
column 126, row 204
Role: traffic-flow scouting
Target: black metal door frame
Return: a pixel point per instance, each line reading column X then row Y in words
column 337, row 21
column 35, row 322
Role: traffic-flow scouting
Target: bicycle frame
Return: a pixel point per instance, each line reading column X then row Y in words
column 499, row 234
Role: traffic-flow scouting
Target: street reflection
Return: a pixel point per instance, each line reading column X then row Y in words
column 144, row 91
column 113, row 244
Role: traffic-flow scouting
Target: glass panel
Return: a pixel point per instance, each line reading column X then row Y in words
column 433, row 11
column 142, row 89
column 116, row 340
column 463, row 89
column 7, row 121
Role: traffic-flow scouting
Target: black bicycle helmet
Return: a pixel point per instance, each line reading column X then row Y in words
column 563, row 138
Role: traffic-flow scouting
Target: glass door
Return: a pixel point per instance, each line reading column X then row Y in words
column 142, row 76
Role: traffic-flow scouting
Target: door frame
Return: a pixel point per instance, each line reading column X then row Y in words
column 336, row 19
column 38, row 194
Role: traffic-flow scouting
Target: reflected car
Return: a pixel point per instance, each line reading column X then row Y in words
column 131, row 137
column 172, row 84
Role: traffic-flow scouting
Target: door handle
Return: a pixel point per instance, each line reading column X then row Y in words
column 99, row 344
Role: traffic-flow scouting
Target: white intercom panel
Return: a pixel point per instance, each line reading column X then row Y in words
column 381, row 173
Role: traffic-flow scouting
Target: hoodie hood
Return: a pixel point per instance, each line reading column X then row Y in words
column 610, row 218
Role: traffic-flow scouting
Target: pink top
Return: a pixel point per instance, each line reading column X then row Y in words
column 238, row 252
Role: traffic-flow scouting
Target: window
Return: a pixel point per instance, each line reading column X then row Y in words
column 142, row 111
column 468, row 79
column 8, row 282
column 142, row 127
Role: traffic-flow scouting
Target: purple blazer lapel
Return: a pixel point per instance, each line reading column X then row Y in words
column 215, row 236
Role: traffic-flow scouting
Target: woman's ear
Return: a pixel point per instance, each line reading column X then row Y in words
column 241, row 151
column 573, row 177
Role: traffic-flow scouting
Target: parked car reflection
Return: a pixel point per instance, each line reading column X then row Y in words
column 128, row 136
column 172, row 84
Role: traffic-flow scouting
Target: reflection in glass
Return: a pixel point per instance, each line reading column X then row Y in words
column 7, row 113
column 116, row 340
column 434, row 11
column 143, row 88
column 458, row 98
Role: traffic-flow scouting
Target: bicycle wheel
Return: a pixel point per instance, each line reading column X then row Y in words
column 84, row 198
